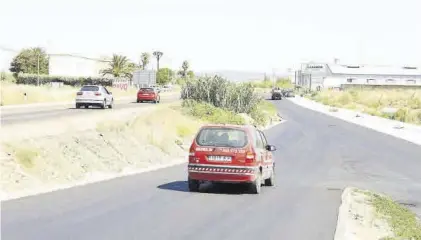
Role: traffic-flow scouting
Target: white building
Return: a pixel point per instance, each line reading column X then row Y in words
column 325, row 75
column 72, row 65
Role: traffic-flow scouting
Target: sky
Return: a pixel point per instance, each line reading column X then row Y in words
column 239, row 35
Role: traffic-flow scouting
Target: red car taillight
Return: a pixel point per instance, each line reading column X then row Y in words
column 250, row 156
column 79, row 93
column 192, row 154
column 97, row 94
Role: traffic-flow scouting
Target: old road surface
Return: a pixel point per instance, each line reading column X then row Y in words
column 317, row 156
column 13, row 116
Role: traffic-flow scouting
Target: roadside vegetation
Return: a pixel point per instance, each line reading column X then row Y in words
column 267, row 83
column 12, row 93
column 29, row 80
column 374, row 101
column 403, row 222
column 217, row 100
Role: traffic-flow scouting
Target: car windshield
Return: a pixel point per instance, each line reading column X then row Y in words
column 89, row 88
column 222, row 137
column 146, row 90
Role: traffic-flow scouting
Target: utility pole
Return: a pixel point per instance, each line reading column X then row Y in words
column 273, row 78
column 38, row 69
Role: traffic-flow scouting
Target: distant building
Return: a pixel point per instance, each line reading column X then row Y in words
column 72, row 65
column 325, row 75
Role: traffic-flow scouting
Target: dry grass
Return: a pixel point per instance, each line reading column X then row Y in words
column 156, row 128
column 163, row 131
column 407, row 102
column 24, row 155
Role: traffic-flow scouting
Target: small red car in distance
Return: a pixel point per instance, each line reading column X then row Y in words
column 148, row 94
column 231, row 154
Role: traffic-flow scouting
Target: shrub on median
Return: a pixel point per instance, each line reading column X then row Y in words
column 216, row 100
column 219, row 92
column 209, row 113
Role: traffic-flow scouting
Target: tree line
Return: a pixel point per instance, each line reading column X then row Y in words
column 36, row 61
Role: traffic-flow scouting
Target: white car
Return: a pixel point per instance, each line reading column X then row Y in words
column 94, row 95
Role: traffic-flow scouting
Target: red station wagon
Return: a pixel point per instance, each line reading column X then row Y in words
column 148, row 94
column 231, row 154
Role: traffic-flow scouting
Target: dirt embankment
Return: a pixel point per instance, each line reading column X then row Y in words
column 42, row 156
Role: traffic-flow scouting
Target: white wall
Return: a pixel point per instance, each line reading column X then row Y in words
column 338, row 80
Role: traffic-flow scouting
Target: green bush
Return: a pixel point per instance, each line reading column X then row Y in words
column 31, row 79
column 219, row 92
column 209, row 113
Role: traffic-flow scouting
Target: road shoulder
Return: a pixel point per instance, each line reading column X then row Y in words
column 408, row 132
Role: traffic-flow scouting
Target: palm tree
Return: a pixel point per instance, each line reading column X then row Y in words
column 145, row 59
column 119, row 66
column 158, row 56
column 184, row 69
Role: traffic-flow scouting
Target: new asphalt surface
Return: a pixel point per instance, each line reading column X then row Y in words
column 317, row 156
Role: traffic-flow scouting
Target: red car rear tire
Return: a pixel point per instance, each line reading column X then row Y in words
column 256, row 185
column 193, row 185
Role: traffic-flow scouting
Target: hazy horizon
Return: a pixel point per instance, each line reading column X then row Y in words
column 236, row 35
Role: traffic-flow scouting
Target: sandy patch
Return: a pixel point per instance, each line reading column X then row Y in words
column 357, row 219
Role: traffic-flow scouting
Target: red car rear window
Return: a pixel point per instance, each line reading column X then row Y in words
column 222, row 137
column 146, row 90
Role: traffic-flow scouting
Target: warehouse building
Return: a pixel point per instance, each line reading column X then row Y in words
column 74, row 65
column 325, row 75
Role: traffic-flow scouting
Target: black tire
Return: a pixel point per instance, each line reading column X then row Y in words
column 193, row 185
column 138, row 101
column 77, row 105
column 271, row 181
column 256, row 186
column 103, row 104
column 111, row 104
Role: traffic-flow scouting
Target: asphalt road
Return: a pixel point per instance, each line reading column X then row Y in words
column 317, row 156
column 13, row 116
